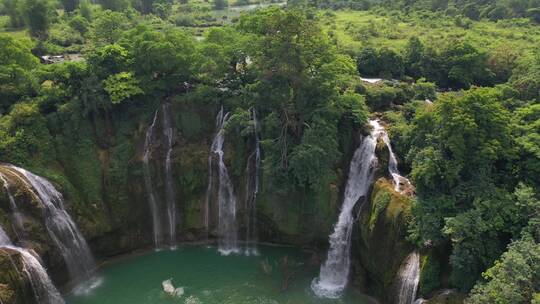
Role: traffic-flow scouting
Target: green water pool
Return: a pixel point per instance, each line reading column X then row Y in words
column 276, row 275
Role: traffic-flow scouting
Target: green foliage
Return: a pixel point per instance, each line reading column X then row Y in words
column 526, row 80
column 463, row 136
column 70, row 5
column 383, row 63
column 16, row 64
column 172, row 61
column 379, row 204
column 109, row 59
column 79, row 23
column 527, row 130
column 312, row 161
column 85, row 9
column 430, row 274
column 13, row 8
column 24, row 138
column 162, row 8
column 300, row 131
column 36, row 13
column 121, row 87
column 424, row 90
column 108, row 27
column 514, row 278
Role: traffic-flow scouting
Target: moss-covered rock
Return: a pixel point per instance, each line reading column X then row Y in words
column 381, row 245
column 15, row 288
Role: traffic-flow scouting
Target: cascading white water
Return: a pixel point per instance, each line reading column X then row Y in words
column 227, row 228
column 149, row 186
column 44, row 290
column 392, row 161
column 408, row 278
column 60, row 226
column 170, row 193
column 16, row 214
column 334, row 272
column 252, row 189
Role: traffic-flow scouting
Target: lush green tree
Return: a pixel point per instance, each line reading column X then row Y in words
column 161, row 60
column 526, row 78
column 299, row 81
column 109, row 59
column 527, row 133
column 457, row 148
column 85, row 9
column 108, row 27
column 13, row 8
column 502, row 61
column 368, row 63
column 79, row 23
column 462, row 66
column 424, row 90
column 390, row 64
column 122, row 87
column 36, row 14
column 515, row 276
column 162, row 8
column 414, row 51
column 16, row 65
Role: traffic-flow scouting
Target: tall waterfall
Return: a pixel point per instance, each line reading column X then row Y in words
column 334, row 272
column 148, row 184
column 392, row 162
column 252, row 189
column 150, row 141
column 408, row 278
column 227, row 229
column 42, row 286
column 60, row 226
column 170, row 193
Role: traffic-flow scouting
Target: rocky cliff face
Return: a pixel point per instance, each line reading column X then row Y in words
column 96, row 162
column 380, row 243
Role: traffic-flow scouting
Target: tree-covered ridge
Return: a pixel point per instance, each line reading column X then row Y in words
column 463, row 116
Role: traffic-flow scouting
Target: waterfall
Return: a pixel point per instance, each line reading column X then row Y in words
column 4, row 238
column 252, row 189
column 17, row 215
column 60, row 226
column 170, row 193
column 227, row 228
column 408, row 278
column 149, row 187
column 334, row 273
column 42, row 287
column 392, row 161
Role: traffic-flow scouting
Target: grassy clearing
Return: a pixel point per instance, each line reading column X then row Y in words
column 354, row 30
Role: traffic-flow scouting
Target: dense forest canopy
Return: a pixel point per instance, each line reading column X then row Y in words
column 460, row 95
